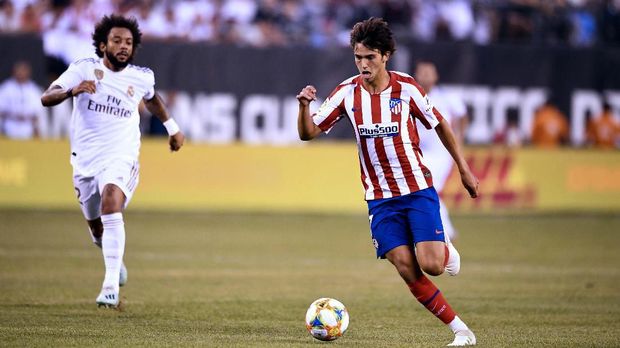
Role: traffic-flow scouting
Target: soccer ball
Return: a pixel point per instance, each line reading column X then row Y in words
column 327, row 319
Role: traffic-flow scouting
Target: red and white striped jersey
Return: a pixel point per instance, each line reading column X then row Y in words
column 391, row 162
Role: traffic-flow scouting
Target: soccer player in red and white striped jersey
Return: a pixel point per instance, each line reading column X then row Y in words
column 403, row 205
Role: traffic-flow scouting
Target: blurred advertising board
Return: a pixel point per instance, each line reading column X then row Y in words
column 539, row 180
column 313, row 178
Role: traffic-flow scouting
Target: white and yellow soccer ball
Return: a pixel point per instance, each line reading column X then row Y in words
column 327, row 319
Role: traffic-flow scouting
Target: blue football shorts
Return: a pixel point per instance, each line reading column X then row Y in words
column 405, row 220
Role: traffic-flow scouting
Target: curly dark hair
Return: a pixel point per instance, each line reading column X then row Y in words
column 375, row 34
column 102, row 30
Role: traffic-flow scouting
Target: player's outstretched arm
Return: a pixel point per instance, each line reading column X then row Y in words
column 468, row 179
column 305, row 126
column 55, row 94
column 156, row 107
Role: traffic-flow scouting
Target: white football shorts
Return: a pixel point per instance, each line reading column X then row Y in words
column 122, row 173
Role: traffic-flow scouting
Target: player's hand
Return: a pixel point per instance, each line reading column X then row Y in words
column 470, row 182
column 86, row 86
column 176, row 141
column 307, row 95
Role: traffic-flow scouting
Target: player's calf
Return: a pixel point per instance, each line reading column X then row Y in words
column 433, row 267
column 95, row 227
column 123, row 275
column 404, row 261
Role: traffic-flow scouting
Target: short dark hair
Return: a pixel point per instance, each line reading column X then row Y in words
column 375, row 34
column 102, row 30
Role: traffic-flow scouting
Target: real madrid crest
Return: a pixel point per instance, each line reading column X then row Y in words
column 99, row 74
column 130, row 91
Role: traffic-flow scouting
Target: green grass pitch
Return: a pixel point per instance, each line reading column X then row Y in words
column 245, row 280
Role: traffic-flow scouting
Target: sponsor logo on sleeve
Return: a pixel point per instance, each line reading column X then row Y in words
column 427, row 101
column 323, row 106
column 378, row 130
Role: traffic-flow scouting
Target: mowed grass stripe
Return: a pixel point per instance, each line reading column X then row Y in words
column 245, row 280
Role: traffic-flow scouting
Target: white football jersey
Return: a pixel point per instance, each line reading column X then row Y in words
column 105, row 125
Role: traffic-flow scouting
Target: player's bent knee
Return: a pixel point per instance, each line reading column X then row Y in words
column 430, row 265
column 433, row 267
column 112, row 199
column 431, row 257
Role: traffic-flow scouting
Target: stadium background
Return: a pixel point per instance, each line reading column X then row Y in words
column 230, row 108
column 540, row 244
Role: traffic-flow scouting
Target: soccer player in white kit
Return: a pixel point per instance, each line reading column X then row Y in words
column 403, row 206
column 20, row 109
column 436, row 157
column 105, row 137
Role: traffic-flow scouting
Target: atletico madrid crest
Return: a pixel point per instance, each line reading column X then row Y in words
column 395, row 106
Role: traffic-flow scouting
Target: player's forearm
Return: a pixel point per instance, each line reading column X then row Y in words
column 55, row 95
column 305, row 126
column 156, row 107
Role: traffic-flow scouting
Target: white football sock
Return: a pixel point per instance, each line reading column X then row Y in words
column 457, row 325
column 113, row 247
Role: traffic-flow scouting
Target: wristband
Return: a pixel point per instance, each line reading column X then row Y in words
column 70, row 92
column 171, row 126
